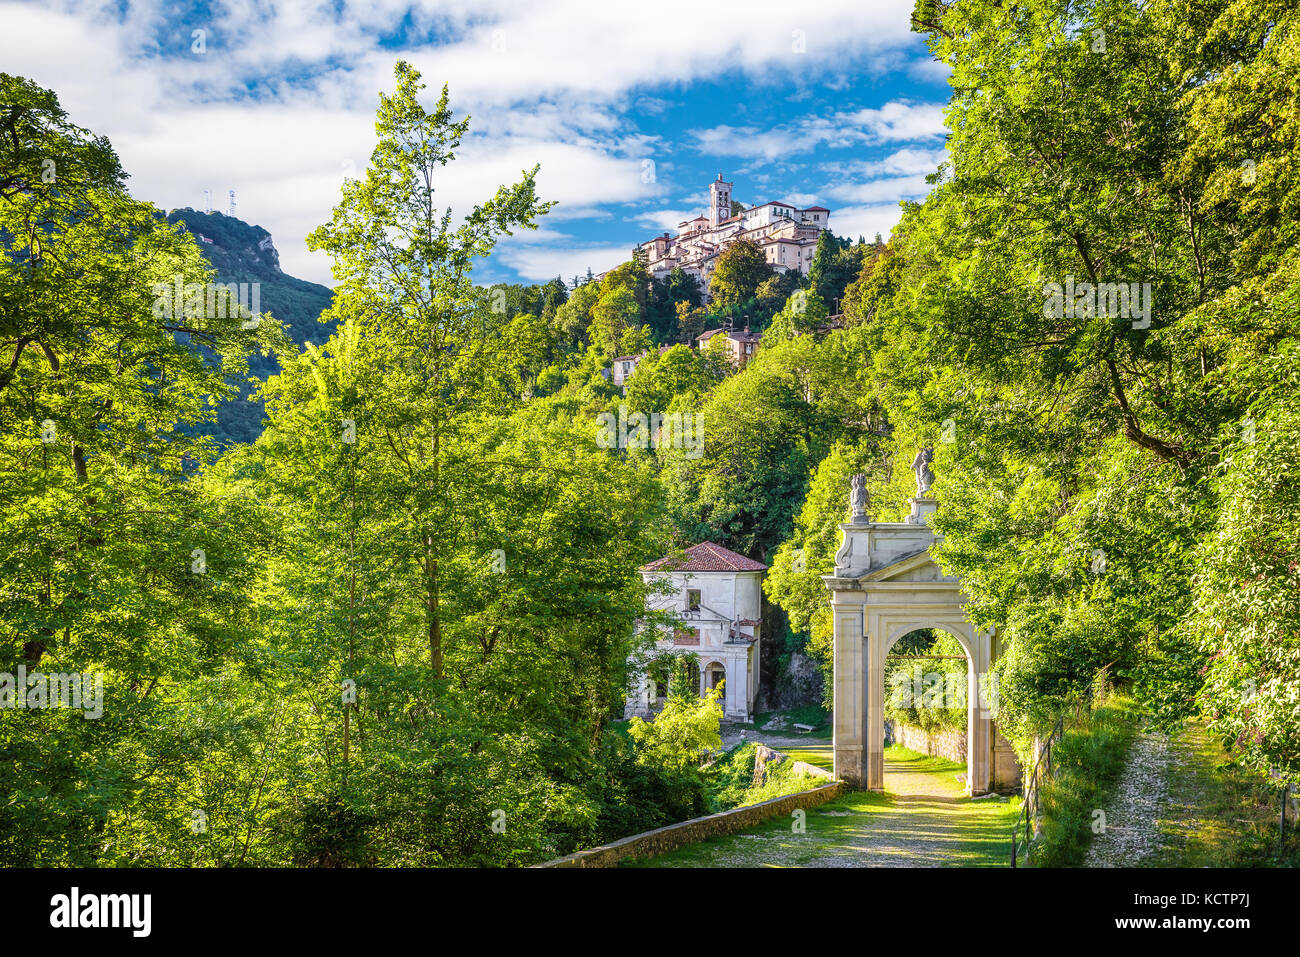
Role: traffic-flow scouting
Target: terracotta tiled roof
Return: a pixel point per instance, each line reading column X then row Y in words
column 736, row 334
column 706, row 557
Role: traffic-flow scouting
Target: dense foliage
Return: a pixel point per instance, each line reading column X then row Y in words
column 390, row 621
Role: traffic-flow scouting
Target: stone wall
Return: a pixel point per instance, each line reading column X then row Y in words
column 1004, row 770
column 940, row 744
column 1006, row 766
column 698, row 829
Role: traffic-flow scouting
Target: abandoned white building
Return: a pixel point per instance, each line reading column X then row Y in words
column 716, row 595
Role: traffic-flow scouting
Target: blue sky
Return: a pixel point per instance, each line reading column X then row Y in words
column 630, row 109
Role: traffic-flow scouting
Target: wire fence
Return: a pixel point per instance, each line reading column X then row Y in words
column 1022, row 832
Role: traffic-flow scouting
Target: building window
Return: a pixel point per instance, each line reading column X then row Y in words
column 714, row 675
column 692, row 599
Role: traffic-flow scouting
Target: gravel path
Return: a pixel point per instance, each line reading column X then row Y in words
column 777, row 742
column 922, row 827
column 1141, row 800
column 924, row 820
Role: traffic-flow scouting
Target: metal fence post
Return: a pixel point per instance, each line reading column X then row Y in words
column 1281, row 831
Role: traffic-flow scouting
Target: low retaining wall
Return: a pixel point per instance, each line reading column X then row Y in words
column 942, row 744
column 697, row 829
column 1004, row 769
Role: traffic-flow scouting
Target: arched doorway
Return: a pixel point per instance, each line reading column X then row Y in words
column 886, row 586
column 926, row 676
column 714, row 674
column 658, row 679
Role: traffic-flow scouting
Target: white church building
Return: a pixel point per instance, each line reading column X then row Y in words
column 716, row 595
column 786, row 233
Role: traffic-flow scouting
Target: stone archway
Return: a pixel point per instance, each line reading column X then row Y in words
column 886, row 585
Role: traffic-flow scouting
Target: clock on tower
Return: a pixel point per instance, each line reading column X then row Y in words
column 719, row 201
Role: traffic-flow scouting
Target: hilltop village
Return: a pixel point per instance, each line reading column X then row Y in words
column 786, row 233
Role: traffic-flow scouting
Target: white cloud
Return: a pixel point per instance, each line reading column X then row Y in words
column 661, row 219
column 749, row 142
column 285, row 93
column 895, row 121
column 929, row 70
column 895, row 188
column 539, row 264
column 866, row 221
column 902, row 162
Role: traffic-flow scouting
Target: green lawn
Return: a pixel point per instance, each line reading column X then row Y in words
column 820, row 755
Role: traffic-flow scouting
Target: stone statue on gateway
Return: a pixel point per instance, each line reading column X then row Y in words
column 921, row 466
column 858, row 498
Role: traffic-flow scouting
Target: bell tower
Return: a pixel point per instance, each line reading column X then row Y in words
column 719, row 201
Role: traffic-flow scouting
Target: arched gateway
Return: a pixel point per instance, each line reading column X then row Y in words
column 885, row 586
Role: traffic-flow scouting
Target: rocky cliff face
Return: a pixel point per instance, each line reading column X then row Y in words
column 796, row 685
column 241, row 252
column 232, row 245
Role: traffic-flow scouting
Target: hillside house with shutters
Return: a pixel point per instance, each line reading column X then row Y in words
column 717, row 597
column 740, row 346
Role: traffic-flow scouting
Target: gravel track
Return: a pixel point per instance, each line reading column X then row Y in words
column 1141, row 799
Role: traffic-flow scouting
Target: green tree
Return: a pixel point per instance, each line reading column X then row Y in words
column 741, row 268
column 760, row 440
column 614, row 316
column 682, row 733
column 1246, row 612
column 803, row 313
column 877, row 281
column 773, row 293
column 119, row 557
column 834, row 265
column 1074, row 444
column 676, row 381
column 404, row 279
column 666, row 296
column 573, row 318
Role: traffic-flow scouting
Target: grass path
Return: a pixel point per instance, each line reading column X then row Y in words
column 1207, row 814
column 922, row 820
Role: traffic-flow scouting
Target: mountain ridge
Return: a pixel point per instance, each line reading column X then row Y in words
column 243, row 252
